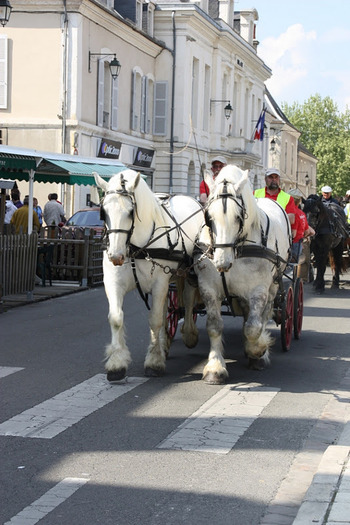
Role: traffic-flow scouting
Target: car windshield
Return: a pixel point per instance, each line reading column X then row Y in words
column 85, row 218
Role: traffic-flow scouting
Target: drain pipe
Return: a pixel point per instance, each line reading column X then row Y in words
column 64, row 95
column 172, row 108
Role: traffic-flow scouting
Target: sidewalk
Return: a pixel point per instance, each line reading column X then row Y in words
column 327, row 501
column 40, row 293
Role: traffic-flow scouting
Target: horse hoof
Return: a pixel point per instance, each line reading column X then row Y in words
column 152, row 372
column 116, row 375
column 254, row 364
column 214, row 379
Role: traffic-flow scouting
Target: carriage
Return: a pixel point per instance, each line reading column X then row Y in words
column 150, row 244
column 287, row 311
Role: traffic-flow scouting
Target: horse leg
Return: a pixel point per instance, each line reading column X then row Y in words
column 214, row 372
column 117, row 353
column 257, row 340
column 154, row 364
column 189, row 329
column 337, row 259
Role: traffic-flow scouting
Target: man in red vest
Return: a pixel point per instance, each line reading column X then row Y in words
column 273, row 191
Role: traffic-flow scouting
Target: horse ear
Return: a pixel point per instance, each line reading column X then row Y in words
column 208, row 179
column 244, row 180
column 100, row 182
column 137, row 179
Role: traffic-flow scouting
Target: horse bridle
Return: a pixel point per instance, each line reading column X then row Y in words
column 224, row 195
column 124, row 193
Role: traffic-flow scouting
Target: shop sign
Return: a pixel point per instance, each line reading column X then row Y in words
column 109, row 149
column 143, row 157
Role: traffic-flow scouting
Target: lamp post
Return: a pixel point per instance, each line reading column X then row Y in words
column 227, row 109
column 5, row 12
column 114, row 65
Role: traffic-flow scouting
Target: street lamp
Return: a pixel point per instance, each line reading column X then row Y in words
column 114, row 65
column 227, row 109
column 5, row 12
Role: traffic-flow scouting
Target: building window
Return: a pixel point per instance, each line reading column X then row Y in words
column 138, row 14
column 160, row 108
column 206, row 105
column 195, row 82
column 107, row 97
column 3, row 72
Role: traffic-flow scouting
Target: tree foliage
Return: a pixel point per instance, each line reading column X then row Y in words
column 325, row 132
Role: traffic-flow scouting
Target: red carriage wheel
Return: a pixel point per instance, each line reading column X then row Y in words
column 173, row 312
column 287, row 319
column 298, row 307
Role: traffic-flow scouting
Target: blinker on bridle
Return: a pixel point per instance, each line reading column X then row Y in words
column 225, row 195
column 123, row 191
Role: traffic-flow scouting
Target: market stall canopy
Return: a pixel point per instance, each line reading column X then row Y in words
column 20, row 164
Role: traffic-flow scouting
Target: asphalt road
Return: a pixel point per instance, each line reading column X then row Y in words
column 162, row 451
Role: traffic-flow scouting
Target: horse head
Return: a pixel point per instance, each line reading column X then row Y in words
column 228, row 212
column 118, row 210
column 315, row 212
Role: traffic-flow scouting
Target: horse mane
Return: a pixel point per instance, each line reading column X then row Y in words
column 240, row 186
column 146, row 201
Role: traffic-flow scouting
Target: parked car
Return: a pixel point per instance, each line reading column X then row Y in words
column 85, row 220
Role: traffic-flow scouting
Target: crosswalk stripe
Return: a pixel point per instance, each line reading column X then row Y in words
column 55, row 415
column 8, row 370
column 46, row 503
column 218, row 424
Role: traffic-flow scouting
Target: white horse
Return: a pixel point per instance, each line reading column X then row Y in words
column 250, row 241
column 147, row 241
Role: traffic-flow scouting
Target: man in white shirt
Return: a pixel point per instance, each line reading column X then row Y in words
column 53, row 211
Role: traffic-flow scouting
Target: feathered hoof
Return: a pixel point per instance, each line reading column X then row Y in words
column 116, row 375
column 153, row 372
column 211, row 378
column 255, row 364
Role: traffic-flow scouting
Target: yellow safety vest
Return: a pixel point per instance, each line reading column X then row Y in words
column 282, row 197
column 347, row 212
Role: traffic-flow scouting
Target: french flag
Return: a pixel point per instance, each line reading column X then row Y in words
column 259, row 129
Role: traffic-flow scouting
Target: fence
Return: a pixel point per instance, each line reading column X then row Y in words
column 18, row 254
column 22, row 256
column 76, row 257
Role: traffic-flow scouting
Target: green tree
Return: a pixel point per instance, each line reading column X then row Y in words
column 325, row 133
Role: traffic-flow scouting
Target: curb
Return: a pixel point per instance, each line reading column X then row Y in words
column 327, row 501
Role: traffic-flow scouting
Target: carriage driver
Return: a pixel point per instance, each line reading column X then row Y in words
column 216, row 166
column 273, row 191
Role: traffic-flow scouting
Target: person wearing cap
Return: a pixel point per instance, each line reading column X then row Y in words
column 273, row 191
column 300, row 229
column 327, row 195
column 216, row 166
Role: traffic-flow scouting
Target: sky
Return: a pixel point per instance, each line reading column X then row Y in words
column 306, row 43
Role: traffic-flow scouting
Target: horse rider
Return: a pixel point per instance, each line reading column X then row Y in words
column 347, row 207
column 273, row 191
column 216, row 166
column 327, row 195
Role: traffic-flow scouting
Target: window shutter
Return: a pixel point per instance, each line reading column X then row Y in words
column 133, row 91
column 115, row 85
column 100, row 92
column 3, row 72
column 143, row 104
column 160, row 108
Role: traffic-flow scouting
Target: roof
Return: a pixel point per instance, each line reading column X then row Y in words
column 17, row 163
